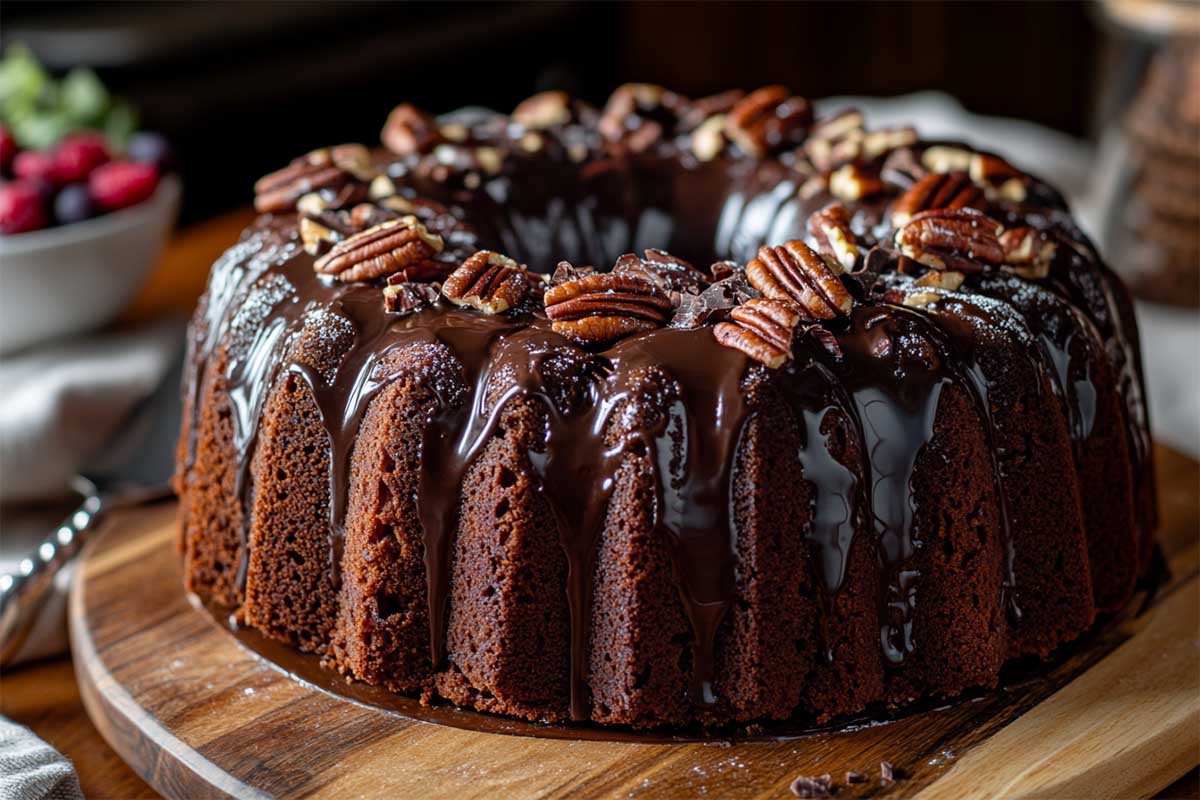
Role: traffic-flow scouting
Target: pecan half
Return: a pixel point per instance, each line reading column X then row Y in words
column 958, row 239
column 937, row 190
column 318, row 171
column 605, row 307
column 835, row 141
column 543, row 110
column 854, row 182
column 767, row 119
column 488, row 281
column 762, row 328
column 830, row 228
column 409, row 131
column 795, row 272
column 407, row 297
column 1028, row 251
column 398, row 245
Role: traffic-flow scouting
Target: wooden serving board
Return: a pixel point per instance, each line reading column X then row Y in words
column 198, row 714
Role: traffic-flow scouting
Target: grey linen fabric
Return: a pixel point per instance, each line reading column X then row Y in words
column 30, row 769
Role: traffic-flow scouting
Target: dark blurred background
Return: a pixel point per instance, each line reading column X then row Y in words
column 241, row 87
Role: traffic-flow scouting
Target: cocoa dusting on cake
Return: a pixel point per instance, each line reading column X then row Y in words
column 468, row 415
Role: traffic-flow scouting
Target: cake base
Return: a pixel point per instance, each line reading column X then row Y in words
column 196, row 713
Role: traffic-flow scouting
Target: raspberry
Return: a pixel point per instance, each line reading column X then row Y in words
column 8, row 149
column 34, row 164
column 76, row 157
column 21, row 208
column 120, row 184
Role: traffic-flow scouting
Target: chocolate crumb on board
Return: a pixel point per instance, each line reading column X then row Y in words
column 889, row 773
column 853, row 776
column 813, row 786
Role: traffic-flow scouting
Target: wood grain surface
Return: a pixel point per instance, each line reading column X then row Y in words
column 196, row 714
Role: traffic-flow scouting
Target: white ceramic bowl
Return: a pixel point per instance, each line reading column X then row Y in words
column 61, row 281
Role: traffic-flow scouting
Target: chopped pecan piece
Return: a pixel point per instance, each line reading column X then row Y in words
column 407, row 297
column 835, row 141
column 488, row 281
column 941, row 279
column 640, row 114
column 767, row 120
column 960, row 239
column 316, row 236
column 795, row 272
column 998, row 176
column 708, row 139
column 543, row 110
column 830, row 228
column 937, row 190
column 565, row 271
column 1028, row 251
column 395, row 246
column 883, row 142
column 318, row 171
column 659, row 268
column 410, row 131
column 943, row 158
column 902, row 168
column 697, row 111
column 854, row 182
column 605, row 307
column 762, row 328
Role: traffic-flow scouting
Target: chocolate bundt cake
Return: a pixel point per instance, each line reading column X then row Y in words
column 461, row 418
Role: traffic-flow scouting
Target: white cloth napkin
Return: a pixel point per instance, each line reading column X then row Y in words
column 61, row 403
column 30, row 769
column 61, row 406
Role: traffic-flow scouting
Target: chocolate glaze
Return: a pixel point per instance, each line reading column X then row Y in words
column 672, row 397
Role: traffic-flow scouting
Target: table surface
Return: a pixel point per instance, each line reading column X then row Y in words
column 45, row 697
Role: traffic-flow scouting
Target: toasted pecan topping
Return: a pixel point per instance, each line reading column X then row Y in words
column 938, row 279
column 409, row 131
column 329, row 169
column 604, row 307
column 708, row 139
column 395, row 246
column 944, row 158
column 406, row 297
column 998, row 176
column 767, row 119
column 762, row 328
column 835, row 141
column 1028, row 251
column 959, row 239
column 854, row 182
column 830, row 228
column 543, row 110
column 488, row 281
column 937, row 190
column 795, row 272
column 635, row 113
